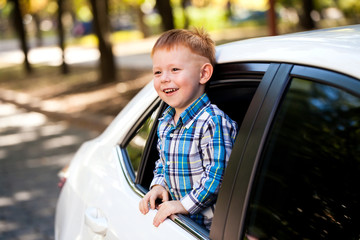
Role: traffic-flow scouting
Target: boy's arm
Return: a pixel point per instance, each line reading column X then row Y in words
column 166, row 209
column 216, row 147
column 158, row 175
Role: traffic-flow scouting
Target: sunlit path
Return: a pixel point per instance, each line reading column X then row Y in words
column 32, row 151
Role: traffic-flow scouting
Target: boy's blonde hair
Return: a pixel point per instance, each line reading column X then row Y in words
column 197, row 40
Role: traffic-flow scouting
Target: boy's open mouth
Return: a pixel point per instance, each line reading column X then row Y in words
column 170, row 90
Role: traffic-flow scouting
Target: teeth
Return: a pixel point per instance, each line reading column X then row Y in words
column 170, row 90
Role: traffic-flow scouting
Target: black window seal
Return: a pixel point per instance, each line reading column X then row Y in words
column 239, row 70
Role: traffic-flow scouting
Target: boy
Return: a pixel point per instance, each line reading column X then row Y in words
column 195, row 137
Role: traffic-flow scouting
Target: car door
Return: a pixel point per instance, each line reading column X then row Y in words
column 295, row 167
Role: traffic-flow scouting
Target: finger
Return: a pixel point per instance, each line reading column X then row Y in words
column 152, row 202
column 160, row 217
column 143, row 205
column 165, row 196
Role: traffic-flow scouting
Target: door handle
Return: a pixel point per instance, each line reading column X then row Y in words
column 96, row 221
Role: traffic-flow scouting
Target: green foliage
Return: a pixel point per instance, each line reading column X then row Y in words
column 126, row 36
column 210, row 18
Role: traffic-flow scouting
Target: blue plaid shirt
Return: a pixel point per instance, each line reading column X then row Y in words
column 193, row 156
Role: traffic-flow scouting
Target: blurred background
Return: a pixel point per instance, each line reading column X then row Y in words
column 67, row 67
column 90, row 43
column 51, row 48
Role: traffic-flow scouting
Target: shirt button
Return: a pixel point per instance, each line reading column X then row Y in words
column 171, row 135
column 168, row 163
column 172, row 190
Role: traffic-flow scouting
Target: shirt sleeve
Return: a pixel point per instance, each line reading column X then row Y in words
column 158, row 175
column 216, row 145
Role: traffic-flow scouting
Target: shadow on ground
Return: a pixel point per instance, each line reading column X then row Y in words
column 32, row 151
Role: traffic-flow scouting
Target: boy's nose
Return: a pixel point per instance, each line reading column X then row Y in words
column 165, row 77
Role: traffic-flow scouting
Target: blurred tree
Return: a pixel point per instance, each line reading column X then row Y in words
column 61, row 36
column 166, row 13
column 306, row 20
column 136, row 6
column 37, row 21
column 142, row 26
column 304, row 9
column 184, row 5
column 35, row 8
column 17, row 17
column 272, row 18
column 350, row 8
column 32, row 10
column 103, row 31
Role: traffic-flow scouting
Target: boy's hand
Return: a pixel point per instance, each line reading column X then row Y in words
column 156, row 192
column 166, row 209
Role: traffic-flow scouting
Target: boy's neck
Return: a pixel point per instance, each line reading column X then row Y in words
column 176, row 117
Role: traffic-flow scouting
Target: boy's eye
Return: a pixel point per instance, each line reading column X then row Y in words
column 157, row 72
column 175, row 69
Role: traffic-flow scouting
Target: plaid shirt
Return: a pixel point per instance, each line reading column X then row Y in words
column 193, row 156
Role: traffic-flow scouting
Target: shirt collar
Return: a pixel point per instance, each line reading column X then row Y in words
column 189, row 115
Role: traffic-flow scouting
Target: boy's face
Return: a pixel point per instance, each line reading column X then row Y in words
column 180, row 76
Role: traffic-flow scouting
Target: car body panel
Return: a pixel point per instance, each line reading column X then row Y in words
column 116, row 132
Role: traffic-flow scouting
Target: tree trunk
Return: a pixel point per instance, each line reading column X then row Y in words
column 103, row 31
column 142, row 25
column 166, row 13
column 184, row 5
column 305, row 18
column 39, row 39
column 21, row 32
column 61, row 36
column 272, row 18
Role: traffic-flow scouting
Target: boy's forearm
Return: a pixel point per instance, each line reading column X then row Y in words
column 167, row 209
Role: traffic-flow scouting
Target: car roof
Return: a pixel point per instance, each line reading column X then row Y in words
column 336, row 49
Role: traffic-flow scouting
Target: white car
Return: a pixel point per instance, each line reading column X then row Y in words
column 294, row 171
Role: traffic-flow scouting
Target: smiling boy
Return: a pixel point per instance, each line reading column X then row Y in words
column 195, row 138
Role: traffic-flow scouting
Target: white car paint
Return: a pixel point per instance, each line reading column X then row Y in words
column 337, row 49
column 97, row 171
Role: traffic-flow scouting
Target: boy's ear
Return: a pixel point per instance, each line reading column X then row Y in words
column 205, row 73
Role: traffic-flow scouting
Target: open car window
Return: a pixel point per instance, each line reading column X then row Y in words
column 231, row 89
column 134, row 146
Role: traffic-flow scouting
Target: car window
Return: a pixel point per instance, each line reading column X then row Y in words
column 136, row 145
column 308, row 183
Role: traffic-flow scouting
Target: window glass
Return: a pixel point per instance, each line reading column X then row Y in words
column 136, row 146
column 308, row 185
